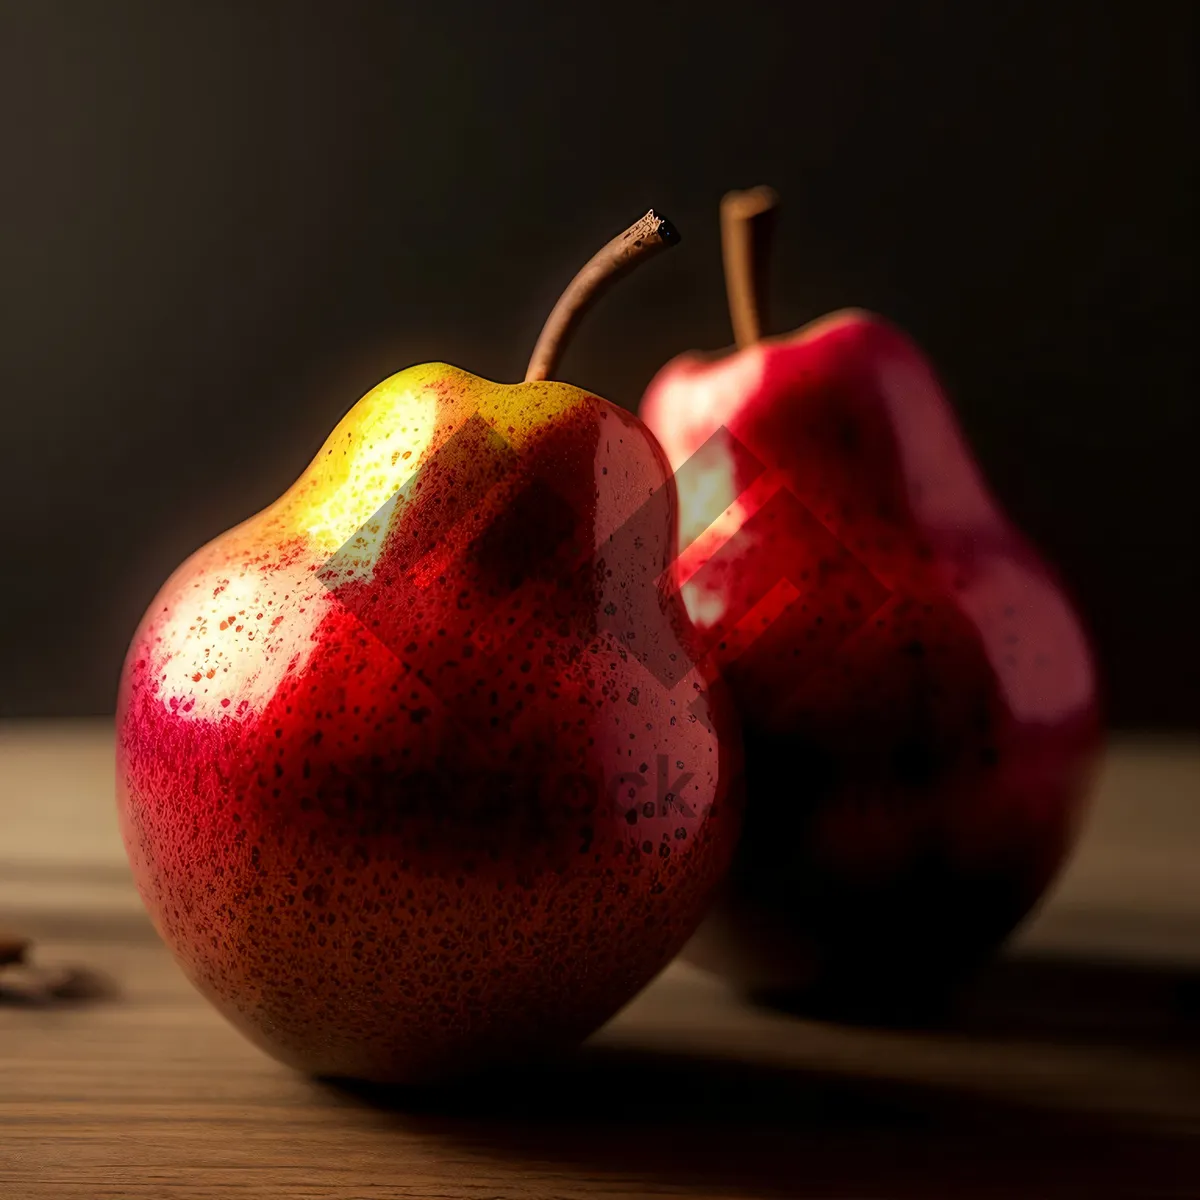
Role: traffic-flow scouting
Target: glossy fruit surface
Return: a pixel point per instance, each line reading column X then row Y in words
column 399, row 792
column 919, row 699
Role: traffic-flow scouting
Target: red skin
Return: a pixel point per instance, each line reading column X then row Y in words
column 397, row 864
column 920, row 711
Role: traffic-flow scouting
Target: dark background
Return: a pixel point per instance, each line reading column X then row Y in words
column 220, row 223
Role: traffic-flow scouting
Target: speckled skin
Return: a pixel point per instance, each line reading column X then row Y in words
column 398, row 802
column 919, row 700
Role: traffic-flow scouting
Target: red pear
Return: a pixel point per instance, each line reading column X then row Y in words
column 918, row 697
column 415, row 769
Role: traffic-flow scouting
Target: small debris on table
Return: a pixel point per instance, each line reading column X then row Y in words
column 25, row 983
column 12, row 947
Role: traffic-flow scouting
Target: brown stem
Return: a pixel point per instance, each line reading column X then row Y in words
column 640, row 241
column 747, row 222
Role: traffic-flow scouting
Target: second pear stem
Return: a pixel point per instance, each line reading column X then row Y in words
column 747, row 222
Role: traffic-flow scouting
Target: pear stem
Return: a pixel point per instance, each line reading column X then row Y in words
column 747, row 222
column 642, row 240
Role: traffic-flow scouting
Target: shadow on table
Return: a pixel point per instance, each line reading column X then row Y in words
column 1081, row 1000
column 623, row 1117
column 1040, row 997
column 625, row 1114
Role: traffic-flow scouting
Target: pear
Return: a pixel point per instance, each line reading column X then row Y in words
column 416, row 770
column 919, row 696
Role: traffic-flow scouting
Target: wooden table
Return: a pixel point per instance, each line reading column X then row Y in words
column 1074, row 1071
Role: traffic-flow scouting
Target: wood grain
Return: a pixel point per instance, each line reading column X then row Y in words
column 1072, row 1071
